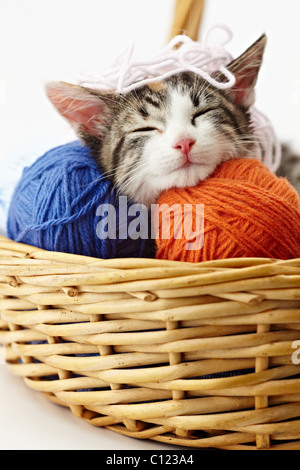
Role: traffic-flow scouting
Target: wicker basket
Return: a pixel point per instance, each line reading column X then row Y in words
column 198, row 355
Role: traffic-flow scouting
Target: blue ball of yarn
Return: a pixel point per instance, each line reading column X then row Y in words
column 60, row 201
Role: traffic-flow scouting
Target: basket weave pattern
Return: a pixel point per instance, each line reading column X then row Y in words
column 197, row 355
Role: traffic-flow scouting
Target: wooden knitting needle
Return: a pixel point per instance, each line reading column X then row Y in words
column 187, row 18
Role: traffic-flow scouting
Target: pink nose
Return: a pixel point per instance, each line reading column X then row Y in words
column 184, row 145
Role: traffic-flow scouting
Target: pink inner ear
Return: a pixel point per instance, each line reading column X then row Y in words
column 80, row 107
column 241, row 91
column 244, row 87
column 87, row 117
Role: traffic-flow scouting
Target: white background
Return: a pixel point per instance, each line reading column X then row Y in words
column 42, row 40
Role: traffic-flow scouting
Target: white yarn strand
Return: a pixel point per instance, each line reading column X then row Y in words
column 181, row 54
column 268, row 147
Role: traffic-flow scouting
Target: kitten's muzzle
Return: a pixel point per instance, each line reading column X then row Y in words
column 185, row 146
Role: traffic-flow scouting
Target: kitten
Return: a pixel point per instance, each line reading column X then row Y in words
column 164, row 134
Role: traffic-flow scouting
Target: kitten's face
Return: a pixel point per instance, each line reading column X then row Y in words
column 173, row 133
column 166, row 134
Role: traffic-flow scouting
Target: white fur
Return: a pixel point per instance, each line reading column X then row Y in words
column 161, row 166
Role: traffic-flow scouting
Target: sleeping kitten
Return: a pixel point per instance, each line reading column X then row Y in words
column 166, row 134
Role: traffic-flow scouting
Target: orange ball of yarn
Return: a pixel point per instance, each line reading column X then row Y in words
column 248, row 212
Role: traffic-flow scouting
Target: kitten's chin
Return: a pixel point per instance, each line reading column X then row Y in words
column 190, row 175
column 149, row 191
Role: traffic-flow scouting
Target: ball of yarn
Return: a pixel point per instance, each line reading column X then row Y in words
column 60, row 205
column 248, row 212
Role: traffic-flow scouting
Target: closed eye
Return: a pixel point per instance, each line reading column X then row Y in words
column 201, row 113
column 145, row 129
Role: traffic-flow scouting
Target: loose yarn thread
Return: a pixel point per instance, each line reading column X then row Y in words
column 181, row 54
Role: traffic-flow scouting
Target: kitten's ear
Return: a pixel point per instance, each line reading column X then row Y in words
column 88, row 111
column 246, row 69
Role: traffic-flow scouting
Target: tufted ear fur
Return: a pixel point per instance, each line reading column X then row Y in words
column 246, row 69
column 88, row 111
